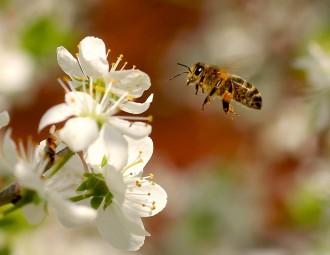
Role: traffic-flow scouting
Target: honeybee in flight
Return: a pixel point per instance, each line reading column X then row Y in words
column 216, row 82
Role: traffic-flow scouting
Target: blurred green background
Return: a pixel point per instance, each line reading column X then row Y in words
column 255, row 185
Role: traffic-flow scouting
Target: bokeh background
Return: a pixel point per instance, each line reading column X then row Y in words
column 255, row 185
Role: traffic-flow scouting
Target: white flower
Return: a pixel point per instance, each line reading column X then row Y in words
column 89, row 113
column 317, row 66
column 133, row 197
column 92, row 65
column 53, row 191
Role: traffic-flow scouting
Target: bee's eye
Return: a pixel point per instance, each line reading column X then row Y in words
column 198, row 70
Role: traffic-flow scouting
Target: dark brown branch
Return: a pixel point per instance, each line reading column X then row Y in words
column 10, row 194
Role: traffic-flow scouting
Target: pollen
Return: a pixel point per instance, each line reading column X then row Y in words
column 151, row 175
column 130, row 98
column 121, row 56
column 66, row 78
column 140, row 152
column 149, row 194
column 134, row 66
column 153, row 183
column 72, row 100
column 150, row 118
column 112, row 80
column 77, row 54
column 138, row 184
column 153, row 207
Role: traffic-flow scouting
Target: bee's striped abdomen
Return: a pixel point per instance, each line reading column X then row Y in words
column 246, row 94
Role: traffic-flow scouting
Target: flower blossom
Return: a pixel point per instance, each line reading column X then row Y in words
column 128, row 198
column 95, row 96
column 41, row 190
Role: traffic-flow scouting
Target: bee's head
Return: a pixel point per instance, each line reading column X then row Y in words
column 196, row 73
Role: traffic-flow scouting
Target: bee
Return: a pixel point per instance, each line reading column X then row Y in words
column 216, row 82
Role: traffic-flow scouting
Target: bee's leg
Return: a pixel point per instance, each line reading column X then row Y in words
column 208, row 98
column 227, row 107
column 197, row 87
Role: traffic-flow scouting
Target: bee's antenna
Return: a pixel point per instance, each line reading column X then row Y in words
column 184, row 66
column 177, row 75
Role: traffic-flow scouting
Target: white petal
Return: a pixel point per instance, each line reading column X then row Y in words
column 142, row 148
column 115, row 182
column 68, row 63
column 120, row 232
column 27, row 177
column 71, row 215
column 134, row 82
column 136, row 108
column 110, row 144
column 56, row 114
column 9, row 152
column 148, row 194
column 67, row 180
column 79, row 133
column 34, row 213
column 81, row 101
column 4, row 119
column 93, row 57
column 134, row 130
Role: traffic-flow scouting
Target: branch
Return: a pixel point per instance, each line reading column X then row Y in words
column 10, row 194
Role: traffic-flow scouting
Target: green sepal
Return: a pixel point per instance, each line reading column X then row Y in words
column 96, row 201
column 107, row 200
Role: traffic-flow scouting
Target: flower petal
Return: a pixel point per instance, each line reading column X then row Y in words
column 81, row 101
column 34, row 213
column 121, row 232
column 4, row 119
column 8, row 153
column 133, row 81
column 135, row 130
column 110, row 144
column 68, row 63
column 136, row 108
column 56, row 114
column 138, row 149
column 115, row 182
column 68, row 179
column 27, row 177
column 150, row 198
column 79, row 133
column 71, row 215
column 93, row 57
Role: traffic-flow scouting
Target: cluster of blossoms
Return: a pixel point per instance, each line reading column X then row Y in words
column 105, row 183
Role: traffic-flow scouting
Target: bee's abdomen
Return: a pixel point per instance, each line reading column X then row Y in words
column 246, row 94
